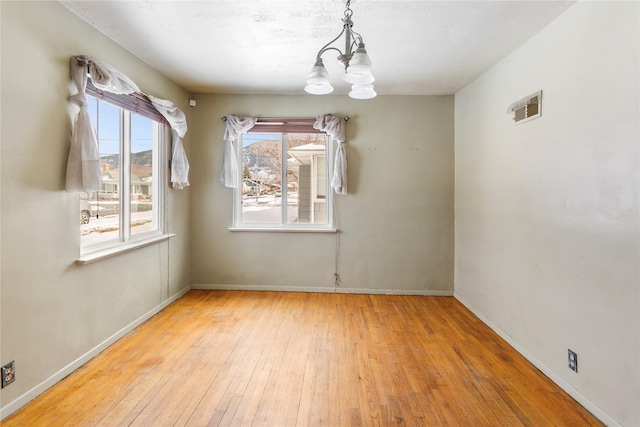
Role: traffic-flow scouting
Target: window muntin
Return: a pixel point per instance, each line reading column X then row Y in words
column 129, row 206
column 143, row 164
column 289, row 194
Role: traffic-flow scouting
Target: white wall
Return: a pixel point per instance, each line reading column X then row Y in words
column 54, row 312
column 396, row 225
column 547, row 218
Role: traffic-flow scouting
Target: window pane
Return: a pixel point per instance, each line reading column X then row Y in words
column 320, row 197
column 261, row 179
column 143, row 203
column 130, row 200
column 321, row 176
column 306, row 178
column 100, row 211
column 283, row 185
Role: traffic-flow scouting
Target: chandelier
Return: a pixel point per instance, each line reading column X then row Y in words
column 356, row 63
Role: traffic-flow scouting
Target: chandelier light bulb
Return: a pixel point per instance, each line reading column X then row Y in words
column 362, row 91
column 318, row 81
column 359, row 69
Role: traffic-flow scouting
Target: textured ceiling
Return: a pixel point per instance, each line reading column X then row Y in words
column 269, row 46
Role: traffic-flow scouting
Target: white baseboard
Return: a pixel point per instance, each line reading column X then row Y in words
column 27, row 397
column 579, row 397
column 338, row 290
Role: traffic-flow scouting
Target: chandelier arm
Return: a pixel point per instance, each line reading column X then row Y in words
column 353, row 44
column 356, row 37
column 326, row 46
column 326, row 49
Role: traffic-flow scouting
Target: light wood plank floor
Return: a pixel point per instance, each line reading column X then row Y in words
column 302, row 359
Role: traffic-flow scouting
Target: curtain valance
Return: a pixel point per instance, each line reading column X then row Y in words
column 135, row 102
column 333, row 126
column 284, row 125
column 83, row 165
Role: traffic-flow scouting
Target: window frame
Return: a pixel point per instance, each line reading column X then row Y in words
column 126, row 241
column 284, row 127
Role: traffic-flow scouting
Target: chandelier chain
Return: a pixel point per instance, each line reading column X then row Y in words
column 348, row 13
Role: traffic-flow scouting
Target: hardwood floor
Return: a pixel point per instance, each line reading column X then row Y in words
column 301, row 359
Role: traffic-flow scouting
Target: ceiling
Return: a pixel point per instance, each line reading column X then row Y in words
column 269, row 46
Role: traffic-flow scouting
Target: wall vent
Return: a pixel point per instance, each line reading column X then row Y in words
column 528, row 108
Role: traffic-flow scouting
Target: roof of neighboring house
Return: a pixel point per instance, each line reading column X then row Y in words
column 113, row 175
column 308, row 147
column 303, row 153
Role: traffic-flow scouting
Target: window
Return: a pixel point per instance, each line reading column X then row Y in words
column 284, row 178
column 129, row 206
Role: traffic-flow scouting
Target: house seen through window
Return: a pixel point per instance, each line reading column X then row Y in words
column 128, row 207
column 284, row 180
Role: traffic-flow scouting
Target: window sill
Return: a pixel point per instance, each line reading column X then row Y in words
column 120, row 249
column 284, row 230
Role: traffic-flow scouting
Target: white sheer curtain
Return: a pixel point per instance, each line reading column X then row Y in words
column 229, row 176
column 83, row 166
column 334, row 126
column 109, row 79
column 178, row 122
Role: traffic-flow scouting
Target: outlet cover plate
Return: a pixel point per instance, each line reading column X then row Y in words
column 573, row 361
column 8, row 373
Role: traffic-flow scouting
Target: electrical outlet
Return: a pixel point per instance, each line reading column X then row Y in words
column 8, row 373
column 573, row 361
